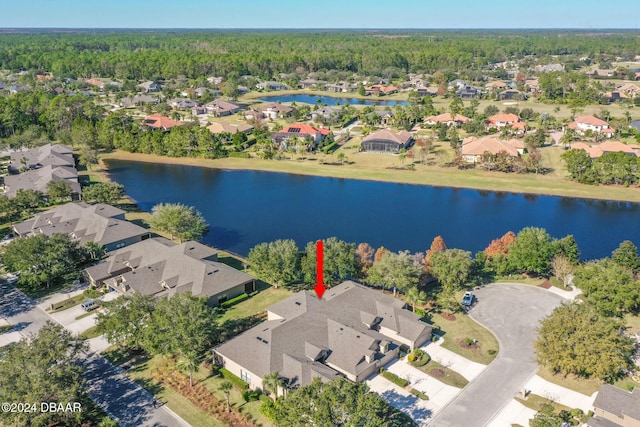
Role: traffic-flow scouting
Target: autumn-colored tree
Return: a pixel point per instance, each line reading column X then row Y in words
column 500, row 246
column 364, row 255
column 381, row 251
column 438, row 245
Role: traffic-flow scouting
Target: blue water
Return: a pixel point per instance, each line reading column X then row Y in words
column 245, row 208
column 329, row 100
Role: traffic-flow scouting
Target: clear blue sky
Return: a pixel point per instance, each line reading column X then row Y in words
column 320, row 14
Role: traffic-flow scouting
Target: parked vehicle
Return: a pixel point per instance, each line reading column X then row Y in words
column 89, row 305
column 468, row 299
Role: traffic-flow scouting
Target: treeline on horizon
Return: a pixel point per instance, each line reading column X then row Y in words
column 138, row 55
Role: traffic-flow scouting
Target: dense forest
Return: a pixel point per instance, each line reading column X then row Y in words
column 167, row 54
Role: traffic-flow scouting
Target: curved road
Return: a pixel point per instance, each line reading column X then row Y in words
column 512, row 312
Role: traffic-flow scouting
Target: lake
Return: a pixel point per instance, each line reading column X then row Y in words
column 330, row 100
column 245, row 208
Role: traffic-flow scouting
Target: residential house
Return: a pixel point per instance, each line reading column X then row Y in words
column 158, row 121
column 224, row 127
column 221, row 108
column 379, row 89
column 496, row 86
column 427, row 91
column 215, row 80
column 614, row 407
column 324, row 113
column 138, row 100
column 341, row 87
column 532, row 86
column 614, row 95
column 302, row 132
column 271, row 86
column 582, row 124
column 629, row 89
column 150, row 86
column 499, row 121
column 386, row 141
column 47, row 155
column 161, row 268
column 353, row 332
column 637, row 75
column 183, row 103
column 447, row 119
column 474, row 148
column 100, row 223
column 548, row 68
column 602, row 73
column 469, row 92
column 95, row 82
column 512, row 94
column 274, row 110
column 39, row 179
column 312, row 83
column 597, row 150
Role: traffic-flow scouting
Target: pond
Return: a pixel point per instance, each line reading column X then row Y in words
column 330, row 100
column 245, row 208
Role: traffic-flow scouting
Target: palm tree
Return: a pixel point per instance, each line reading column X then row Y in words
column 272, row 383
column 415, row 297
column 188, row 363
column 226, row 387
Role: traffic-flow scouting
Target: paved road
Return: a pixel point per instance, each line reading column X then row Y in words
column 512, row 312
column 120, row 397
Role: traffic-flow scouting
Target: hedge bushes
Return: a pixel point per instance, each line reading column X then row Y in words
column 419, row 394
column 234, row 301
column 233, row 379
column 394, row 378
column 418, row 358
column 251, row 396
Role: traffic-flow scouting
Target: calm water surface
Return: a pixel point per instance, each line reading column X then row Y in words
column 244, row 208
column 330, row 100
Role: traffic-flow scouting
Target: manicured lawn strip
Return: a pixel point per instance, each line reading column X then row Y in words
column 627, row 384
column 256, row 304
column 520, row 279
column 535, row 402
column 633, row 322
column 450, row 377
column 375, row 167
column 68, row 303
column 465, row 327
column 584, row 386
column 92, row 332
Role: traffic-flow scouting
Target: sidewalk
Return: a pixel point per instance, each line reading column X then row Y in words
column 465, row 367
column 512, row 413
column 560, row 394
column 569, row 295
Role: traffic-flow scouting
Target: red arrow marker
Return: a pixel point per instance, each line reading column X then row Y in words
column 319, row 287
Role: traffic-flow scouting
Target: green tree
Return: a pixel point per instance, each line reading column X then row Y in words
column 626, row 254
column 414, row 296
column 226, row 388
column 123, row 322
column 276, row 262
column 103, row 192
column 272, row 383
column 610, row 287
column 183, row 222
column 58, row 191
column 42, row 259
column 567, row 247
column 395, row 271
column 43, row 367
column 451, row 267
column 546, row 417
column 336, row 403
column 87, row 156
column 532, row 251
column 188, row 363
column 340, row 262
column 180, row 325
column 576, row 339
column 27, row 201
column 579, row 166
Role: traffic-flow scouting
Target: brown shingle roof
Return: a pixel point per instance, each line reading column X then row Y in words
column 399, row 138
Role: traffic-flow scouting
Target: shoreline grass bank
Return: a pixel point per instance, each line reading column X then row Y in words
column 423, row 175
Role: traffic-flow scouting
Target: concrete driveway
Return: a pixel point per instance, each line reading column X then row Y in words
column 512, row 312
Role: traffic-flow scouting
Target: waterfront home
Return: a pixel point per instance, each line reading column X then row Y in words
column 100, row 223
column 158, row 121
column 386, row 141
column 47, row 155
column 274, row 110
column 271, row 86
column 353, row 331
column 597, row 150
column 224, row 127
column 39, row 179
column 379, row 89
column 302, row 132
column 474, row 148
column 161, row 268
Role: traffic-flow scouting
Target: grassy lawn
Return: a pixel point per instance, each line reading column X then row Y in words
column 535, row 402
column 92, row 332
column 627, row 384
column 444, row 374
column 521, row 279
column 256, row 304
column 376, row 167
column 633, row 322
column 584, row 386
column 456, row 331
column 68, row 303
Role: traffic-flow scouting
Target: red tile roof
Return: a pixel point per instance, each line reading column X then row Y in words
column 304, row 129
column 595, row 151
column 446, row 117
column 508, row 118
column 590, row 120
column 473, row 146
column 157, row 121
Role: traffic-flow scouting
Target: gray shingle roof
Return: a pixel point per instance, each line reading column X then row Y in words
column 97, row 223
column 47, row 155
column 619, row 402
column 159, row 267
column 302, row 326
column 37, row 179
